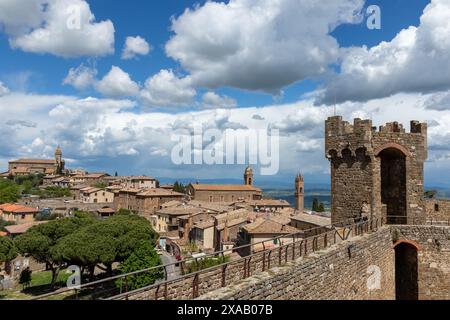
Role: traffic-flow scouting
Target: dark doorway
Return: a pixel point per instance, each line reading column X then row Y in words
column 406, row 278
column 393, row 184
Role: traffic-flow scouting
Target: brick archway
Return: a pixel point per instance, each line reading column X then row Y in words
column 411, row 243
column 393, row 145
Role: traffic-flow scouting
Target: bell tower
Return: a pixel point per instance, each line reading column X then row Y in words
column 59, row 162
column 248, row 176
column 299, row 193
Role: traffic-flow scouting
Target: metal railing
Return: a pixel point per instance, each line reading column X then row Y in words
column 260, row 256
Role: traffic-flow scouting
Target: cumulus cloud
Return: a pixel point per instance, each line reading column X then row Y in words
column 135, row 46
column 65, row 28
column 117, row 84
column 212, row 100
column 257, row 117
column 416, row 60
column 3, row 89
column 81, row 77
column 439, row 101
column 259, row 45
column 21, row 123
column 165, row 89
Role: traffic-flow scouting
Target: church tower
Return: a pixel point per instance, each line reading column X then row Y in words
column 248, row 176
column 59, row 162
column 299, row 193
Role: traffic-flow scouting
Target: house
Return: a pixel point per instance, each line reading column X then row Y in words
column 265, row 230
column 88, row 179
column 315, row 224
column 16, row 230
column 227, row 226
column 141, row 182
column 18, row 214
column 145, row 202
column 202, row 234
column 168, row 219
column 61, row 182
column 105, row 212
column 267, row 205
column 96, row 195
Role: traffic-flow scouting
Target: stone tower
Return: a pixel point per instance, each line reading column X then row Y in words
column 380, row 170
column 59, row 162
column 248, row 176
column 299, row 193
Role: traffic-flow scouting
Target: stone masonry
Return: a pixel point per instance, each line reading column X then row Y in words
column 381, row 168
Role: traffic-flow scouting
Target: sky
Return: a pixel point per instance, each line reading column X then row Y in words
column 112, row 81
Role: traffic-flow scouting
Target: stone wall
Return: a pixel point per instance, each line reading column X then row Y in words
column 438, row 210
column 433, row 256
column 330, row 274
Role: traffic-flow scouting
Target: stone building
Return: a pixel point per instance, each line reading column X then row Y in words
column 144, row 201
column 34, row 166
column 381, row 170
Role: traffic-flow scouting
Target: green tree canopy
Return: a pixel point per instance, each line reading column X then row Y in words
column 39, row 241
column 9, row 191
column 8, row 250
column 143, row 257
column 105, row 242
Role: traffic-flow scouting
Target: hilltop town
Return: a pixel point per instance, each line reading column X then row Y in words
column 209, row 231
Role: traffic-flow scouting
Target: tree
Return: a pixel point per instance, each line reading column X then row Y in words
column 315, row 205
column 39, row 241
column 9, row 191
column 321, row 207
column 25, row 278
column 116, row 174
column 105, row 242
column 8, row 250
column 179, row 187
column 143, row 257
column 430, row 194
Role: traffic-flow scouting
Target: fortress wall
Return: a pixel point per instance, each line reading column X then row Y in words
column 433, row 258
column 329, row 274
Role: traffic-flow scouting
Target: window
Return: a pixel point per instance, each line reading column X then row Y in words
column 210, row 199
column 23, row 216
column 436, row 207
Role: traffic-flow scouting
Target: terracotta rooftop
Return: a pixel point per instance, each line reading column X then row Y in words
column 180, row 211
column 34, row 161
column 267, row 226
column 158, row 192
column 232, row 223
column 269, row 202
column 22, row 228
column 106, row 210
column 224, row 187
column 17, row 209
column 204, row 224
column 312, row 219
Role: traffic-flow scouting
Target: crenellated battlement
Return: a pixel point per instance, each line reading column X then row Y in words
column 340, row 135
column 377, row 167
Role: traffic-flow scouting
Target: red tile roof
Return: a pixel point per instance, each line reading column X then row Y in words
column 17, row 209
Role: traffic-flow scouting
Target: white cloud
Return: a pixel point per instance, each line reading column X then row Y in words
column 135, row 46
column 3, row 89
column 81, row 77
column 65, row 28
column 117, row 84
column 257, row 44
column 165, row 89
column 438, row 101
column 412, row 62
column 212, row 100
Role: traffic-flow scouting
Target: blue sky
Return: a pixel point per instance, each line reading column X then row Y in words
column 215, row 63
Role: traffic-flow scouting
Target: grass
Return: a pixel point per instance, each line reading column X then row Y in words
column 40, row 284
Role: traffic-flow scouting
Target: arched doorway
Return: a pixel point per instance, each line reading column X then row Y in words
column 393, row 184
column 406, row 274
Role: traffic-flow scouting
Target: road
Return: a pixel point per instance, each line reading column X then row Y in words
column 173, row 272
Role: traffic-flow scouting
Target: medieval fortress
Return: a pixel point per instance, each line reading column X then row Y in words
column 386, row 241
